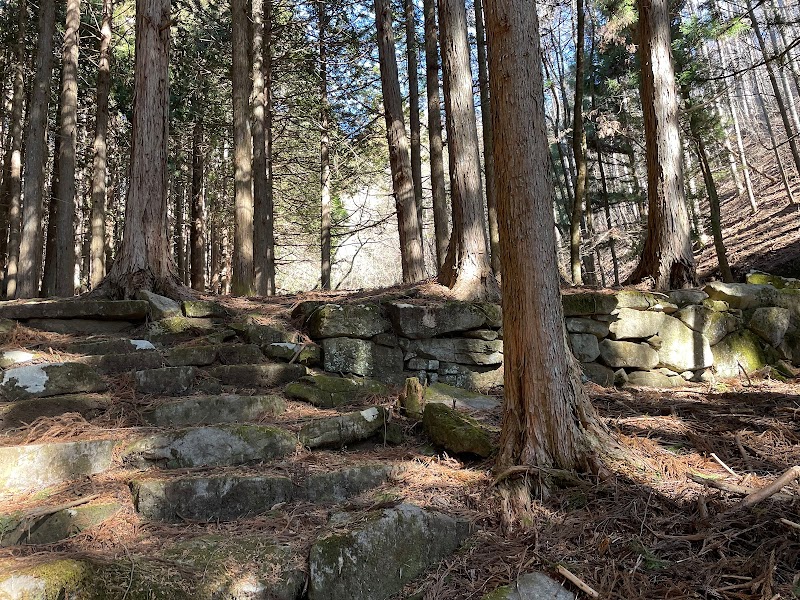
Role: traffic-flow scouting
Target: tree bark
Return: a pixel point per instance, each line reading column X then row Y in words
column 51, row 246
column 488, row 137
column 579, row 150
column 413, row 107
column 467, row 270
column 548, row 421
column 29, row 264
column 667, row 257
column 402, row 178
column 265, row 217
column 197, row 234
column 97, row 268
column 436, row 151
column 144, row 261
column 242, row 284
column 65, row 226
column 324, row 152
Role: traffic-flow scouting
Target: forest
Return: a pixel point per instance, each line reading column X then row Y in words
column 399, row 299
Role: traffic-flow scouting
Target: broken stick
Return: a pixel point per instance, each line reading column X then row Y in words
column 578, row 582
column 789, row 476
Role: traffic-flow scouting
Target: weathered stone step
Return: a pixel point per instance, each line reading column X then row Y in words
column 208, row 410
column 228, row 497
column 123, row 310
column 109, row 346
column 23, row 412
column 50, row 379
column 37, row 466
column 173, row 381
column 327, row 391
column 344, row 429
column 226, row 445
column 268, row 375
column 43, row 526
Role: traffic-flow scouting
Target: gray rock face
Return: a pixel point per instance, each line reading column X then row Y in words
column 261, row 335
column 487, row 335
column 459, row 398
column 240, row 354
column 686, row 297
column 628, row 354
column 337, row 486
column 79, row 326
column 423, row 364
column 374, row 559
column 23, row 412
column 177, row 325
column 470, row 377
column 161, row 307
column 50, row 379
column 207, row 410
column 111, row 346
column 585, row 304
column 123, row 310
column 770, row 324
column 739, row 350
column 681, row 348
column 653, row 379
column 422, row 321
column 742, row 295
column 584, row 346
column 712, row 324
column 533, row 586
column 211, row 447
column 270, row 375
column 458, row 350
column 9, row 358
column 344, row 429
column 303, row 354
column 633, row 324
column 327, row 391
column 598, row 374
column 456, row 432
column 581, row 325
column 112, row 364
column 203, row 308
column 169, row 381
column 38, row 466
column 191, row 356
column 52, row 527
column 361, row 357
column 351, row 320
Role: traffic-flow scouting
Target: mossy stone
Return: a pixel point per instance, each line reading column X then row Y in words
column 455, row 431
column 738, row 348
column 327, row 391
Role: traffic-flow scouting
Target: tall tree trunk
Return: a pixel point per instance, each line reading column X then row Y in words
column 413, row 106
column 144, row 261
column 51, row 245
column 488, row 137
column 667, row 256
column 65, row 226
column 324, row 152
column 29, row 264
column 713, row 201
column 264, row 285
column 12, row 184
column 242, row 283
column 178, row 236
column 197, row 234
column 548, row 421
column 775, row 149
column 436, row 151
column 265, row 218
column 467, row 269
column 97, row 268
column 402, row 178
column 579, row 150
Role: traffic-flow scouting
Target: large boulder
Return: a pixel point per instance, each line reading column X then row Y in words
column 457, row 350
column 326, row 391
column 345, row 429
column 653, row 379
column 770, row 323
column 419, row 321
column 161, row 307
column 347, row 320
column 372, row 558
column 776, row 281
column 628, row 355
column 599, row 374
column 584, row 346
column 79, row 326
column 681, row 348
column 741, row 350
column 742, row 295
column 532, row 586
column 50, row 379
column 456, row 432
column 632, row 324
column 714, row 325
column 361, row 357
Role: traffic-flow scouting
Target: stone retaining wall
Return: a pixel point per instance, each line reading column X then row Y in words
column 625, row 337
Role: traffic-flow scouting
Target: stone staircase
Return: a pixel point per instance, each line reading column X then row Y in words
column 153, row 450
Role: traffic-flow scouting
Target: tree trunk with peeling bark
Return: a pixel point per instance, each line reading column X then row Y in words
column 667, row 258
column 467, row 269
column 197, row 230
column 548, row 420
column 413, row 106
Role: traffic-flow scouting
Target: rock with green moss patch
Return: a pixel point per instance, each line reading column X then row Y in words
column 207, row 410
column 653, row 379
column 583, row 304
column 78, row 308
column 741, row 350
column 682, row 349
column 38, row 466
column 459, row 397
column 326, row 391
column 53, row 527
column 458, row 350
column 776, row 281
column 173, row 325
column 330, row 487
column 688, row 297
column 204, row 308
column 373, row 558
column 713, row 325
column 50, row 379
column 258, row 376
column 418, row 321
column 361, row 357
column 261, row 335
column 109, row 346
column 632, row 324
column 742, row 295
column 211, row 446
column 770, row 324
column 169, row 381
column 161, row 307
column 471, row 377
column 456, row 432
column 240, row 354
column 628, row 354
column 343, row 430
column 304, row 354
column 532, row 586
column 25, row 412
column 51, row 580
column 347, row 320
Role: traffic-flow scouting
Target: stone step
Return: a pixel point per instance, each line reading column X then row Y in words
column 110, row 310
column 50, row 379
column 79, row 326
column 228, row 497
column 208, row 410
column 327, row 391
column 108, row 346
column 37, row 466
column 257, row 376
column 226, row 445
column 48, row 526
column 23, row 412
column 173, row 381
column 345, row 429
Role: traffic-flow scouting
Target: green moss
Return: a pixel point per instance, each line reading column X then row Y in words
column 455, row 431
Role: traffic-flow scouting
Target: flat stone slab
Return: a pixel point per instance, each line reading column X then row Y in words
column 112, row 310
column 113, row 364
column 419, row 321
column 38, row 466
column 240, row 354
column 374, row 557
column 299, row 353
column 207, row 410
column 161, row 307
column 204, row 308
column 111, row 346
column 24, row 412
column 458, row 350
column 229, row 497
column 532, row 586
column 225, row 445
column 20, row 528
column 350, row 320
column 50, row 379
column 344, row 429
column 459, row 398
column 269, row 375
column 169, row 381
column 79, row 326
column 456, row 432
column 191, row 356
column 327, row 391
